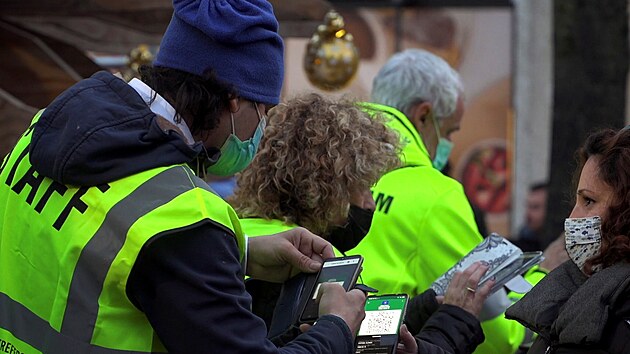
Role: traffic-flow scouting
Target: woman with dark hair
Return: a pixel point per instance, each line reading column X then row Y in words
column 583, row 306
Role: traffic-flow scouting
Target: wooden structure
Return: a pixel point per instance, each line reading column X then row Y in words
column 43, row 45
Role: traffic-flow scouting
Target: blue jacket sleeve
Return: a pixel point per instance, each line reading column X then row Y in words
column 190, row 286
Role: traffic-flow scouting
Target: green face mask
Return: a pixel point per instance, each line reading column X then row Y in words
column 443, row 149
column 237, row 154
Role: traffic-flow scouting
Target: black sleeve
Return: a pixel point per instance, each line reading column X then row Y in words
column 419, row 309
column 616, row 336
column 452, row 330
column 190, row 286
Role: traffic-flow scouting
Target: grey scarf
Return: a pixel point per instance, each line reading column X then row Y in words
column 568, row 307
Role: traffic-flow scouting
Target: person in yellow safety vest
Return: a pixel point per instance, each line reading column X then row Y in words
column 423, row 223
column 109, row 240
column 318, row 158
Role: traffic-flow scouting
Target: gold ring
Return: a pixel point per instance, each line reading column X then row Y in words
column 470, row 289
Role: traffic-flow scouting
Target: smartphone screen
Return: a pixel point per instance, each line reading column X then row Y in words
column 378, row 333
column 343, row 271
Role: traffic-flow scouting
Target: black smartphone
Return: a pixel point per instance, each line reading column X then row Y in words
column 378, row 333
column 341, row 270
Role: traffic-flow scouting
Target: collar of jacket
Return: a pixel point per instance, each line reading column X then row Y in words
column 566, row 307
column 165, row 112
column 414, row 152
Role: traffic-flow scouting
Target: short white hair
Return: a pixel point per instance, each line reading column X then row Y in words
column 414, row 76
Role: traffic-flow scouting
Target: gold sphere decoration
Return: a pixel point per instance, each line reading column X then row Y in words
column 331, row 60
column 139, row 56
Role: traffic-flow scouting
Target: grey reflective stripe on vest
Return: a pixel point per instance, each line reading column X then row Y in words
column 99, row 253
column 92, row 267
column 35, row 331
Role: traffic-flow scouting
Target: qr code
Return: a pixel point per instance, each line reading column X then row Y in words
column 380, row 322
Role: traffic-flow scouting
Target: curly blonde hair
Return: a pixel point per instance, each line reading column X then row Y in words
column 315, row 153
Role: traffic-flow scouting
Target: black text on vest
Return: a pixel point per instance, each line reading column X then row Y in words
column 383, row 201
column 34, row 181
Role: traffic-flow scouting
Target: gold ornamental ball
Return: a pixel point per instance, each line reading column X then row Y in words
column 139, row 56
column 331, row 58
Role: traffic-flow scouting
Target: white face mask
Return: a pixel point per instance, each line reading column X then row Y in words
column 583, row 238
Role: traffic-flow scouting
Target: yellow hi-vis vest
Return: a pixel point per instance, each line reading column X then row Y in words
column 66, row 253
column 423, row 224
column 253, row 227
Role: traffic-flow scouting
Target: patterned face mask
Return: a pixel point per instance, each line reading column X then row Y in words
column 583, row 238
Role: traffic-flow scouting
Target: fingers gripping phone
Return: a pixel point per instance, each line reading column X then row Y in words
column 341, row 270
column 378, row 333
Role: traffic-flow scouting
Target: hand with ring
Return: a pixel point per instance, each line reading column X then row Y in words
column 463, row 291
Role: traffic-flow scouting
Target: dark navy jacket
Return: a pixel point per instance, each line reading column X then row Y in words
column 100, row 130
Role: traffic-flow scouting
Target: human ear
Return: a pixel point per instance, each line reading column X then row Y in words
column 233, row 105
column 419, row 114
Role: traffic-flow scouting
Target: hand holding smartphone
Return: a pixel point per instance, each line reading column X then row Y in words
column 379, row 330
column 342, row 270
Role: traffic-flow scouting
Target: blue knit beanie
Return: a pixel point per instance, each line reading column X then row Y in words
column 238, row 39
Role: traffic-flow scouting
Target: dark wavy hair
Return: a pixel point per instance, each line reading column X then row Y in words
column 613, row 150
column 199, row 100
column 316, row 151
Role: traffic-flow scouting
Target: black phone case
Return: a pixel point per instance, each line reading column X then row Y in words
column 306, row 294
column 292, row 300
